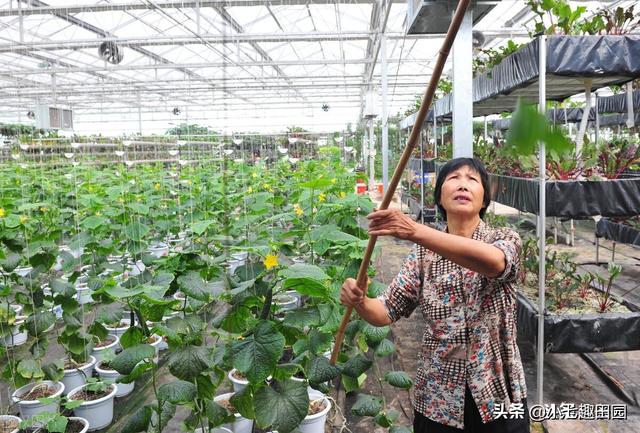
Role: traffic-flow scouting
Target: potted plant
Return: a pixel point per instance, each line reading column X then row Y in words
column 9, row 424
column 94, row 402
column 109, row 375
column 50, row 422
column 29, row 398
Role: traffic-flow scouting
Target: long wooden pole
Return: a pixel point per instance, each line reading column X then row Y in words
column 427, row 99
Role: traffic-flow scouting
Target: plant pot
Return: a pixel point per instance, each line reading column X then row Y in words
column 99, row 412
column 31, row 408
column 100, row 352
column 241, row 424
column 23, row 271
column 240, row 256
column 285, row 302
column 296, row 295
column 83, row 292
column 213, row 430
column 17, row 337
column 120, row 329
column 83, row 421
column 159, row 250
column 75, row 377
column 9, row 424
column 112, row 376
column 238, row 384
column 315, row 423
column 156, row 345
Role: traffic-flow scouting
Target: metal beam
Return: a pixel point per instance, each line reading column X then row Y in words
column 52, row 10
column 115, row 68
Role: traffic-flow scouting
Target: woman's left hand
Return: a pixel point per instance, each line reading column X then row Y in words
column 392, row 222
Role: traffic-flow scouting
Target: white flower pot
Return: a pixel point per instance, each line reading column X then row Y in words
column 17, row 336
column 83, row 421
column 298, row 261
column 6, row 421
column 233, row 264
column 156, row 344
column 285, row 302
column 159, row 250
column 23, row 271
column 315, row 423
column 31, row 408
column 240, row 256
column 111, row 376
column 18, row 309
column 296, row 295
column 75, row 377
column 213, row 430
column 84, row 294
column 241, row 424
column 100, row 352
column 238, row 384
column 120, row 329
column 99, row 413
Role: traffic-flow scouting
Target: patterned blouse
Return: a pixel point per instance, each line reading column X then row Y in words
column 470, row 334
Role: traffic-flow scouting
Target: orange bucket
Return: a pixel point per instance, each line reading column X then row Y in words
column 380, row 188
column 361, row 188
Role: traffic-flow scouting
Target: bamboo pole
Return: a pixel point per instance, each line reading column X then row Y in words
column 427, row 99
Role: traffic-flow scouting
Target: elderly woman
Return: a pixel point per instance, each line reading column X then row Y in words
column 470, row 376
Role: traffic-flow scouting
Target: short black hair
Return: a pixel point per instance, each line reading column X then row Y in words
column 451, row 166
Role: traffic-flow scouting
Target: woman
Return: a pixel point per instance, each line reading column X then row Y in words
column 470, row 376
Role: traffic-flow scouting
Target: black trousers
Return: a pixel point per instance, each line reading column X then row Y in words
column 473, row 421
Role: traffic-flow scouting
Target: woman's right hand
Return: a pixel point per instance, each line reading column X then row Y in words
column 351, row 295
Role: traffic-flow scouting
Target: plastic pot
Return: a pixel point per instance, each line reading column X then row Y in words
column 83, row 293
column 111, row 376
column 241, row 424
column 23, row 271
column 156, row 345
column 238, row 384
column 213, row 430
column 31, row 408
column 285, row 302
column 159, row 250
column 17, row 337
column 7, row 420
column 83, row 421
column 120, row 329
column 315, row 423
column 100, row 352
column 99, row 413
column 75, row 377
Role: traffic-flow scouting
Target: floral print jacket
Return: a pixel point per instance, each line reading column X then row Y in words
column 470, row 335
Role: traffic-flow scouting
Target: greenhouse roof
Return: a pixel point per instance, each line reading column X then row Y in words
column 233, row 65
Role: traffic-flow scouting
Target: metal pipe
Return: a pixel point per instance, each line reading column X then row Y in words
column 542, row 103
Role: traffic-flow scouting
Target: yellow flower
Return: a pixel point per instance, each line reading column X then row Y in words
column 334, row 180
column 298, row 210
column 120, row 200
column 44, row 209
column 157, row 186
column 343, row 194
column 254, row 175
column 322, row 197
column 250, row 190
column 271, row 261
column 189, row 182
column 23, row 219
column 2, row 212
column 98, row 214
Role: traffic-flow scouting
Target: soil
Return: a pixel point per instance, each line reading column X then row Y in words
column 237, row 375
column 118, row 325
column 90, row 396
column 73, row 426
column 8, row 425
column 105, row 342
column 38, row 392
column 227, row 405
column 105, row 366
column 69, row 365
column 152, row 340
column 316, row 406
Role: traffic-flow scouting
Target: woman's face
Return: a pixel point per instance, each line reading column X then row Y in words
column 462, row 193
